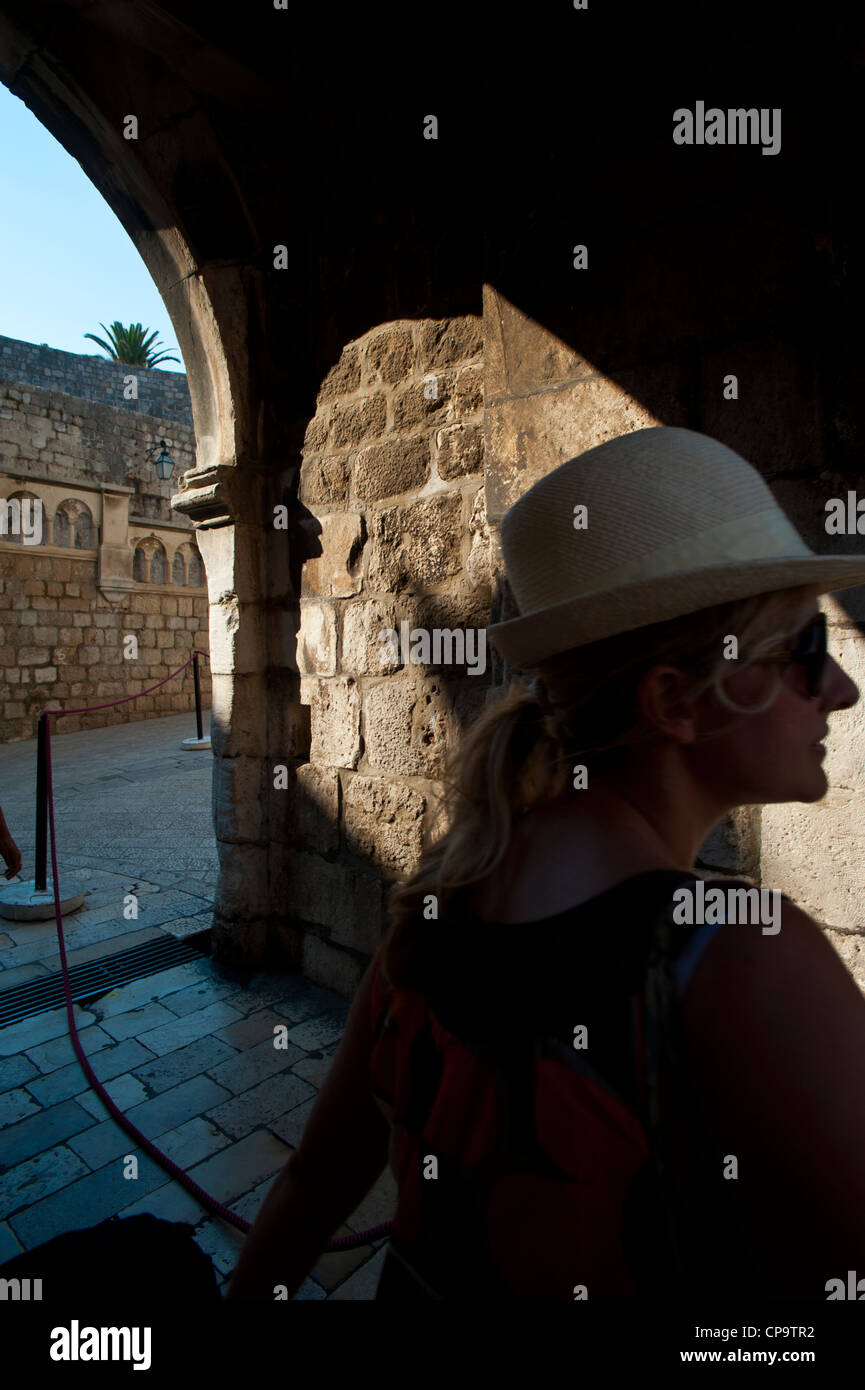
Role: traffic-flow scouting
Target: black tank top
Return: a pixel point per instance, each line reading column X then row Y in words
column 484, row 980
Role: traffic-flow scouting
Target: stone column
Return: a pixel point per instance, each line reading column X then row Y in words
column 225, row 502
column 114, row 570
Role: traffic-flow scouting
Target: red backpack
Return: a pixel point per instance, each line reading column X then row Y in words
column 522, row 1173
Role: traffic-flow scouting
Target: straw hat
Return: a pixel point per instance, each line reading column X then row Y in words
column 675, row 522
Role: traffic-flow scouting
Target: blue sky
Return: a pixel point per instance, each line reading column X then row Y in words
column 66, row 264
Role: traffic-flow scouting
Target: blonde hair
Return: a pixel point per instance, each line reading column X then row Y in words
column 516, row 753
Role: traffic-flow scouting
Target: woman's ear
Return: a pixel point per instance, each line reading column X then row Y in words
column 665, row 705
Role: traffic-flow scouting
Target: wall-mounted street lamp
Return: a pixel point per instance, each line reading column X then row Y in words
column 164, row 463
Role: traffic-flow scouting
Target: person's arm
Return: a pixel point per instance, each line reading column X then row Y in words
column 9, row 851
column 775, row 1030
column 342, row 1153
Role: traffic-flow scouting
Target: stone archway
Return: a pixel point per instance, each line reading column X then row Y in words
column 71, row 80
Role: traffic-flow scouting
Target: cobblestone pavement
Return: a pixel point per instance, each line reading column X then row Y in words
column 186, row 1053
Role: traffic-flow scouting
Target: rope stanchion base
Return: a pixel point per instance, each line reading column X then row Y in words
column 189, row 743
column 24, row 902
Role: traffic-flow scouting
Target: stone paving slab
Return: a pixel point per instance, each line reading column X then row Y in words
column 38, row 1177
column 290, row 1126
column 259, row 1105
column 187, row 1001
column 255, row 1029
column 59, row 1052
column 83, row 1203
column 14, row 1070
column 316, row 1033
column 164, row 1072
column 180, row 1031
column 137, row 1021
column 71, row 1080
column 16, row 1105
column 170, row 1202
column 140, row 992
column 237, row 1169
column 17, row 1037
column 108, row 1140
column 124, row 1090
column 254, row 1065
column 40, row 1132
column 22, row 974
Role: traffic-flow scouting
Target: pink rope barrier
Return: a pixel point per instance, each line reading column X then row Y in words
column 205, row 1198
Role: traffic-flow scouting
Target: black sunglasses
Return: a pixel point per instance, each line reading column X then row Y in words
column 810, row 653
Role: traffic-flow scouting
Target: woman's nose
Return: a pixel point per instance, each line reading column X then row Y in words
column 839, row 691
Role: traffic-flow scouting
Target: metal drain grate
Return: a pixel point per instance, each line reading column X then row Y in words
column 95, row 977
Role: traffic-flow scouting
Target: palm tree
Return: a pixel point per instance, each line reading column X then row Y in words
column 128, row 345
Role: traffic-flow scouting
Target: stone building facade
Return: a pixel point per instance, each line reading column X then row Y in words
column 109, row 560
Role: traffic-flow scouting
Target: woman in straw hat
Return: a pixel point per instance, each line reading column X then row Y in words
column 588, row 1095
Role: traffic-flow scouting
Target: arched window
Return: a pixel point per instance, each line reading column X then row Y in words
column 157, row 566
column 196, row 571
column 139, row 565
column 83, row 531
column 178, row 569
column 62, row 529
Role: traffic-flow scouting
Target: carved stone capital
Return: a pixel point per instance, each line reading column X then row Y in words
column 219, row 494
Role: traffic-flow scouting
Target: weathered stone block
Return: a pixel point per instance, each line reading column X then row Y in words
column 344, row 375
column 237, row 798
column 334, row 721
column 387, row 469
column 353, row 421
column 362, row 650
column 459, row 450
column 306, row 814
column 414, row 546
column 387, row 356
column 316, row 640
column 243, row 879
column 416, row 406
column 405, row 727
column 336, row 573
column 316, row 432
column 329, row 966
column 382, row 822
column 344, row 900
column 324, row 481
column 441, row 342
column 479, row 566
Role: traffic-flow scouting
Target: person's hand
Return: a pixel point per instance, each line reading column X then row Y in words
column 11, row 853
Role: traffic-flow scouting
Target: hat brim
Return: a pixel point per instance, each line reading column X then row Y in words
column 530, row 638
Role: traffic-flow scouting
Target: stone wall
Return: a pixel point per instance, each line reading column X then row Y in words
column 94, row 378
column 546, row 403
column 393, row 475
column 114, row 561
